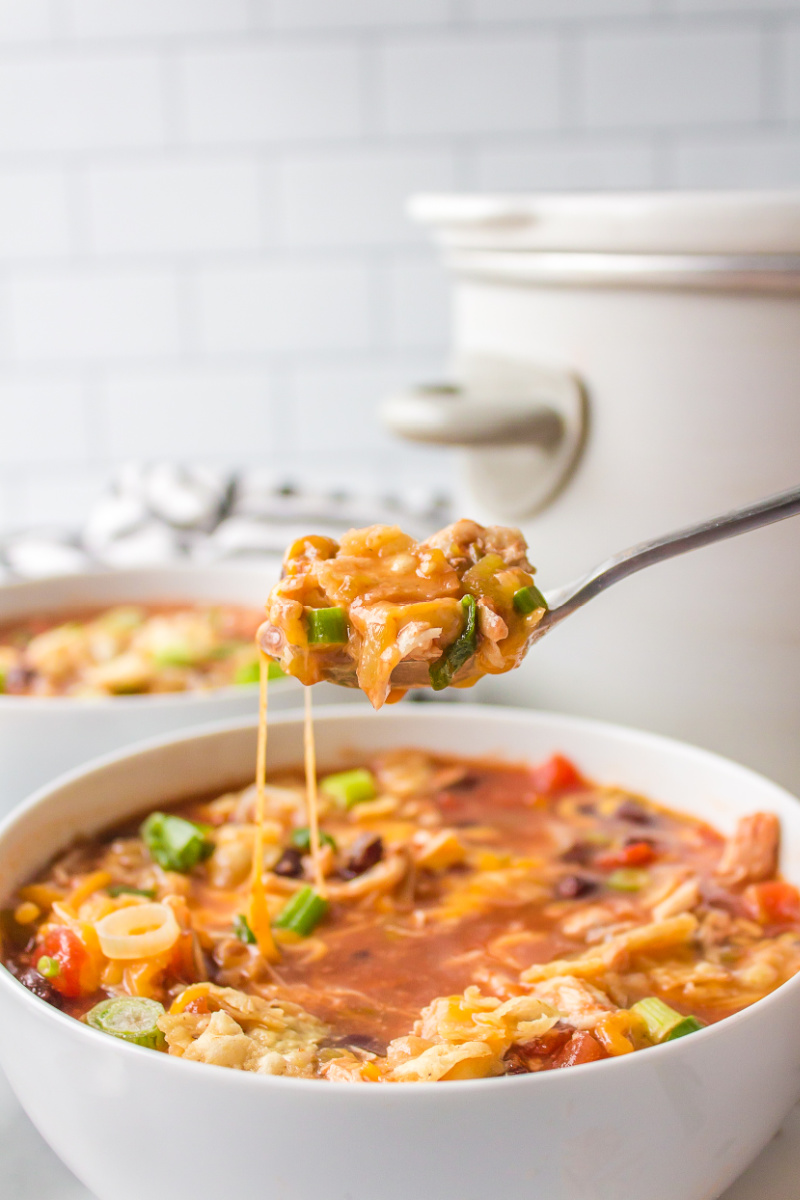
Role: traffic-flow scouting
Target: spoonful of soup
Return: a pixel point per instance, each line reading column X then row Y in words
column 383, row 612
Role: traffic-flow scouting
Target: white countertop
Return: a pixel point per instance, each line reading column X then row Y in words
column 29, row 1170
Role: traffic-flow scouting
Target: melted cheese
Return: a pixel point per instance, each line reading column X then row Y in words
column 258, row 910
column 312, row 796
column 258, row 914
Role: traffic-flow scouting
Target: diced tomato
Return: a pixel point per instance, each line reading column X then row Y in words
column 775, row 902
column 556, row 775
column 72, row 957
column 637, row 854
column 198, row 1006
column 581, row 1048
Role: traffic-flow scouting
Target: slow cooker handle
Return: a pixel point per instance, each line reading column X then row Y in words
column 523, row 428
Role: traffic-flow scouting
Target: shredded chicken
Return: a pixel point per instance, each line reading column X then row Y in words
column 752, row 853
column 577, row 1002
column 247, row 1033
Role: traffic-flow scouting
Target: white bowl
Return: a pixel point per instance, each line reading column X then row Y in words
column 42, row 736
column 677, row 1122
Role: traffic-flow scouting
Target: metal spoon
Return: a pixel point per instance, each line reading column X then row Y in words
column 563, row 601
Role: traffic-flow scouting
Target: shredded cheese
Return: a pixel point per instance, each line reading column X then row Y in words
column 312, row 795
column 258, row 909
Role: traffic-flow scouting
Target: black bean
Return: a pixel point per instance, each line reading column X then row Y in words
column 629, row 810
column 581, row 853
column 573, row 887
column 364, row 853
column 465, row 784
column 18, row 680
column 290, row 864
column 40, row 987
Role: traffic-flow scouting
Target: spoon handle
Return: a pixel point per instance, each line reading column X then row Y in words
column 741, row 520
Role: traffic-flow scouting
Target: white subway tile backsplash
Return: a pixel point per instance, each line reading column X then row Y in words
column 773, row 160
column 282, row 307
column 24, row 20
column 189, row 414
column 44, row 421
column 357, row 14
column 101, row 18
column 270, row 93
column 468, row 83
column 202, row 202
column 65, row 101
column 668, row 77
column 175, row 205
column 359, row 197
column 563, row 166
column 418, row 297
column 354, row 391
column 93, row 315
column 34, row 213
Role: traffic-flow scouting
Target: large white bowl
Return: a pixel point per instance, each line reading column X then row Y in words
column 42, row 736
column 677, row 1122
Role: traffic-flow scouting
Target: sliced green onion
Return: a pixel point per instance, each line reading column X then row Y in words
column 326, row 626
column 458, row 652
column 132, row 1018
column 241, row 927
column 687, row 1025
column 628, row 879
column 123, row 889
column 303, row 913
column 49, row 967
column 176, row 655
column 663, row 1023
column 528, row 599
column 350, row 787
column 247, row 673
column 175, row 844
column 301, row 839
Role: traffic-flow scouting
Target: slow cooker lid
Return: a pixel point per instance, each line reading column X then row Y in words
column 649, row 223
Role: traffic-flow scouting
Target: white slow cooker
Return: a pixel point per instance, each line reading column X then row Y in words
column 661, row 334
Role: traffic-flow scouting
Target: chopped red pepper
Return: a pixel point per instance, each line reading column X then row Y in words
column 636, row 854
column 71, row 955
column 775, row 902
column 581, row 1048
column 556, row 775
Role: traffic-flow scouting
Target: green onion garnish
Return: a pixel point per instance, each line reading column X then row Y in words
column 124, row 889
column 663, row 1023
column 175, row 844
column 176, row 655
column 241, row 927
column 132, row 1018
column 301, row 839
column 246, row 673
column 628, row 879
column 350, row 787
column 49, row 967
column 326, row 626
column 458, row 652
column 528, row 599
column 303, row 913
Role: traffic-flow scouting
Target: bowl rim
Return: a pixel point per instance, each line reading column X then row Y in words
column 173, row 571
column 495, row 713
